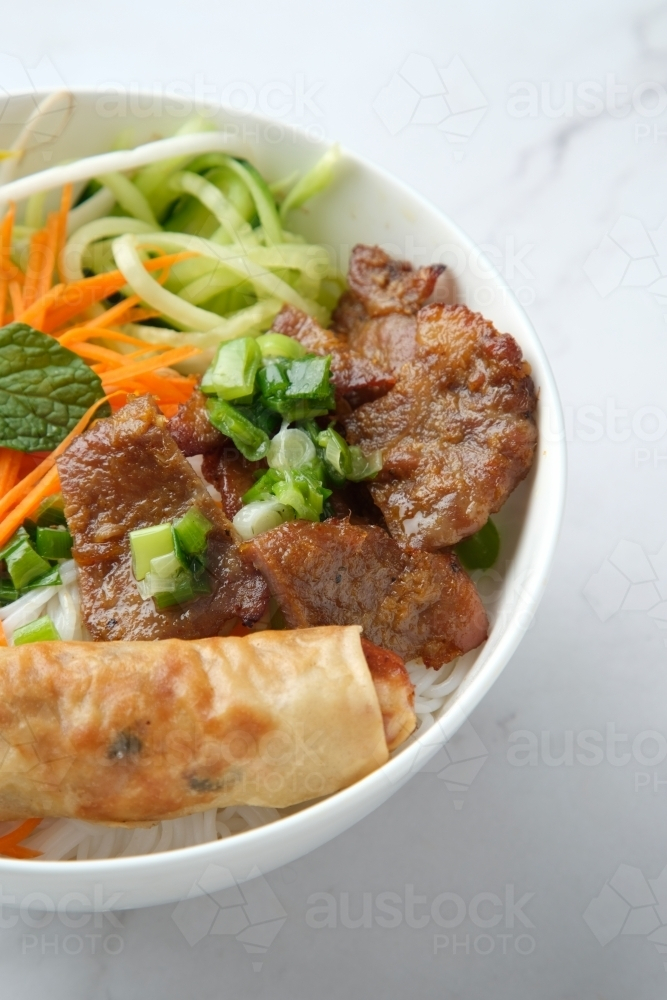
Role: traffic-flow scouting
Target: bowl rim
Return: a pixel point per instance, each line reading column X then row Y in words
column 399, row 768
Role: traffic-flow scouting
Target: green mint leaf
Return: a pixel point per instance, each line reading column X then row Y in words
column 44, row 389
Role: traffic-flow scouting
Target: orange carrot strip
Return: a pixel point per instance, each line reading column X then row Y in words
column 38, row 308
column 22, row 853
column 79, row 334
column 111, row 315
column 14, row 520
column 10, row 846
column 137, row 315
column 166, row 390
column 61, row 225
column 164, row 360
column 4, row 288
column 16, row 297
column 22, row 488
column 240, row 630
column 34, row 267
column 3, row 637
column 111, row 357
column 45, row 279
column 79, row 295
column 6, row 230
column 10, row 463
column 20, row 832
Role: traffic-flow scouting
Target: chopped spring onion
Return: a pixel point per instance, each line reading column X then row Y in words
column 309, row 378
column 50, row 579
column 480, row 551
column 262, row 515
column 298, row 389
column 192, row 531
column 51, row 512
column 337, row 456
column 232, row 374
column 165, row 567
column 53, row 543
column 24, row 564
column 277, row 345
column 41, row 630
column 364, row 466
column 8, row 592
column 251, row 441
column 263, row 488
column 289, row 449
column 147, row 544
column 170, row 591
column 303, row 492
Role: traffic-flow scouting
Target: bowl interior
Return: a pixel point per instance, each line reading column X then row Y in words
column 363, row 205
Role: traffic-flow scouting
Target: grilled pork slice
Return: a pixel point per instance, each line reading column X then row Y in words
column 336, row 573
column 191, row 429
column 126, row 472
column 377, row 314
column 356, row 378
column 232, row 475
column 457, row 432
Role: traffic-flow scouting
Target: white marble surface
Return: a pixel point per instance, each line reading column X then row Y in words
column 583, row 834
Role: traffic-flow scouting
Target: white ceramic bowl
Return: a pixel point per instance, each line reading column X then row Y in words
column 364, row 205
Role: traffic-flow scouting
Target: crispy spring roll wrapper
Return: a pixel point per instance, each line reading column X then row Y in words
column 135, row 732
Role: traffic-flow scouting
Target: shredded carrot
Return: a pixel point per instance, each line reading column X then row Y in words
column 4, row 288
column 138, row 315
column 36, row 254
column 24, row 487
column 33, row 313
column 61, row 225
column 164, row 360
column 10, row 844
column 3, row 637
column 79, row 334
column 112, row 315
column 6, row 230
column 44, row 488
column 45, row 279
column 10, row 463
column 80, row 295
column 103, row 354
column 16, row 297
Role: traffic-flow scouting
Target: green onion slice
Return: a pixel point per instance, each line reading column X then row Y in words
column 290, row 449
column 251, row 441
column 53, row 543
column 232, row 374
column 147, row 544
column 41, row 630
column 278, row 345
column 480, row 551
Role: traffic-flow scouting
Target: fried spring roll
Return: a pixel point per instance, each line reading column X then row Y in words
column 135, row 732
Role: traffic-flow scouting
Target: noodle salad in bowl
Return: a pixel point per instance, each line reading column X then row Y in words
column 254, row 480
